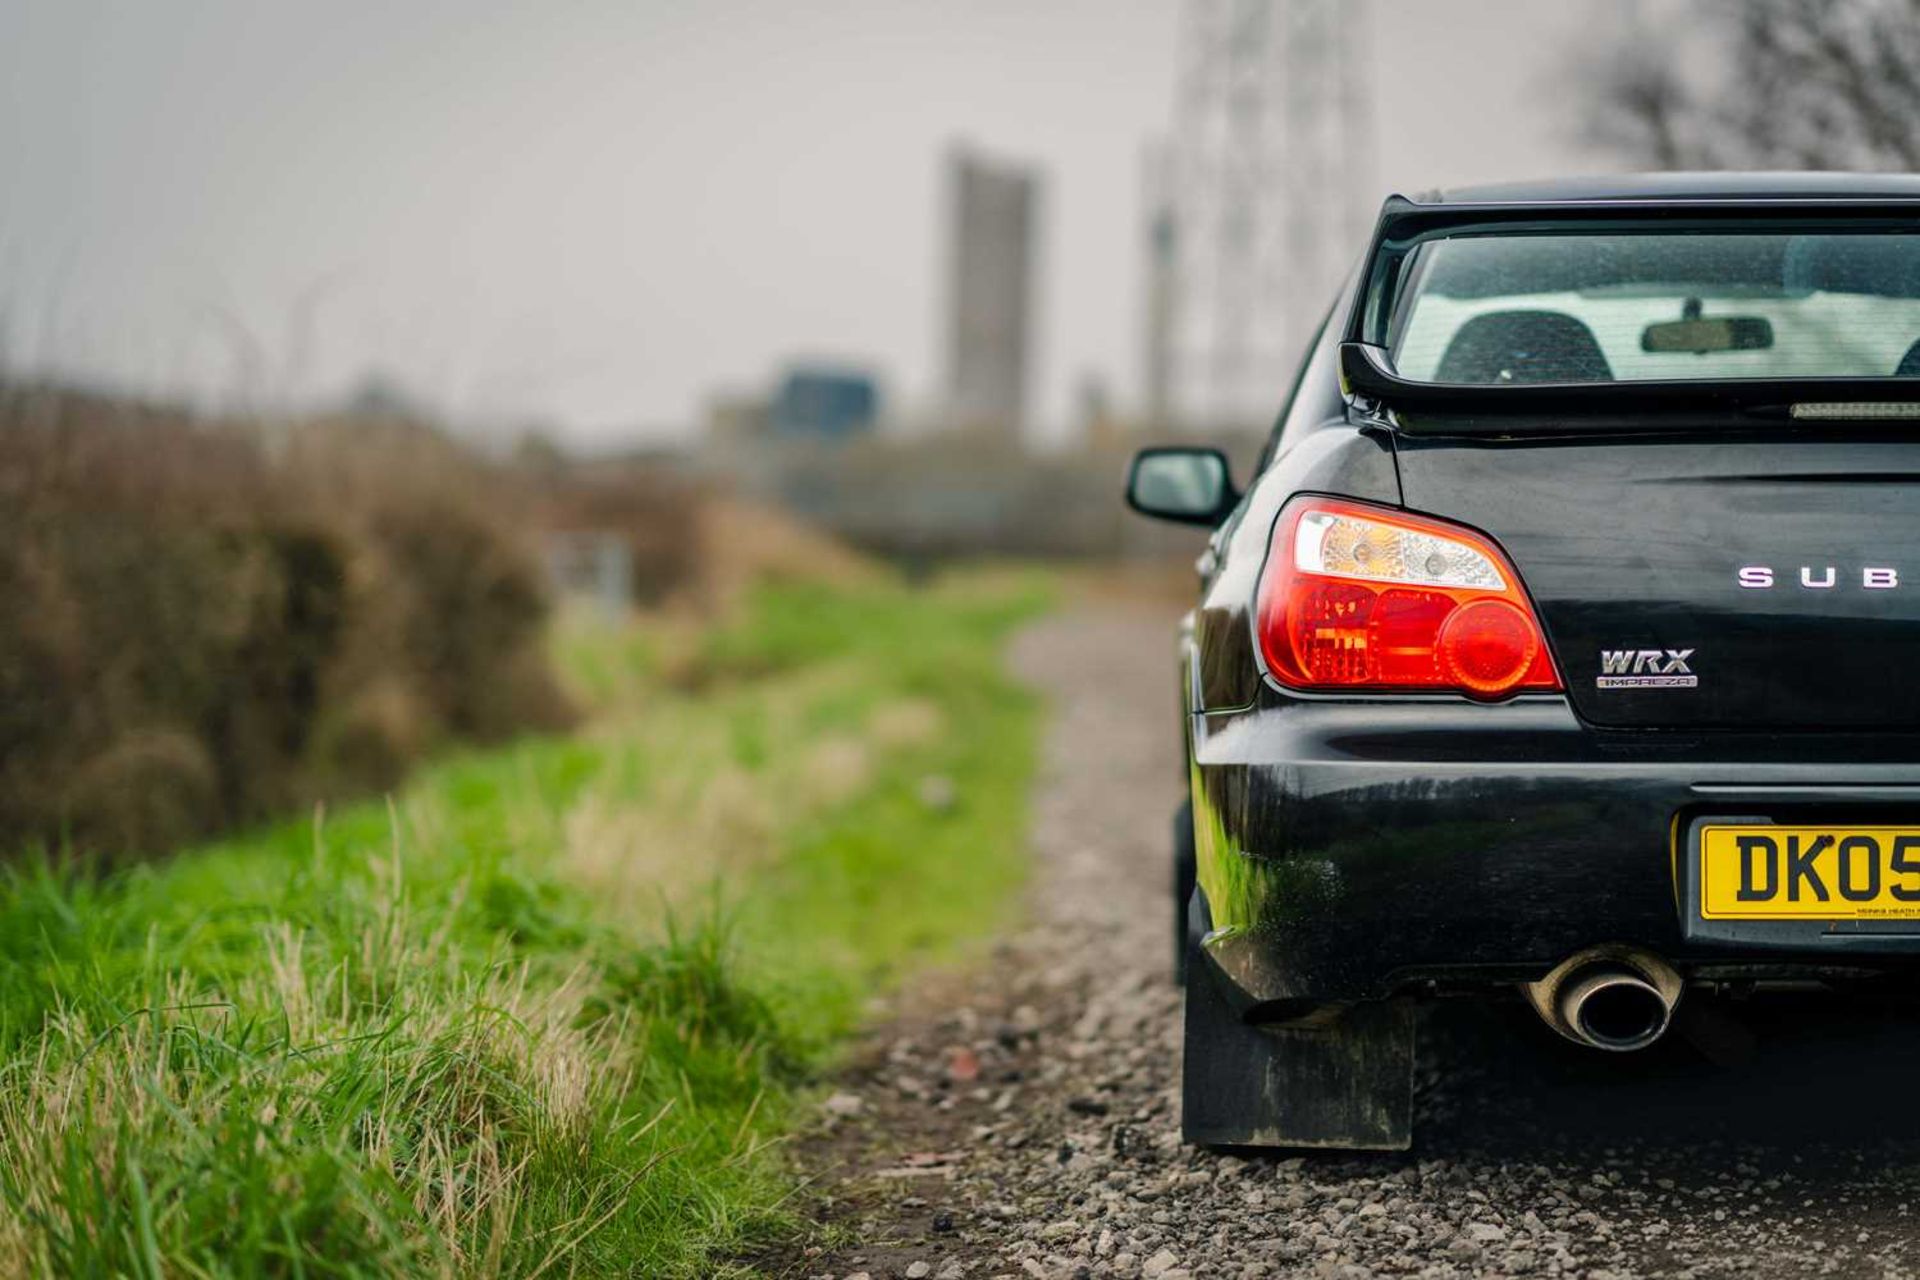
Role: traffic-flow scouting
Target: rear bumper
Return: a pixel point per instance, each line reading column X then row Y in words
column 1350, row 849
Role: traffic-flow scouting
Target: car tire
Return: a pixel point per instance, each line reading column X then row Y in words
column 1342, row 1080
column 1185, row 875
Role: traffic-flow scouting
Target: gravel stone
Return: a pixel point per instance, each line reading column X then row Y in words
column 843, row 1105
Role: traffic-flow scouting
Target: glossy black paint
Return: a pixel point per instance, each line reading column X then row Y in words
column 1353, row 847
column 1380, row 847
column 1631, row 544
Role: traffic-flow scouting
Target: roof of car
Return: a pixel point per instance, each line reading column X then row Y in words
column 1686, row 186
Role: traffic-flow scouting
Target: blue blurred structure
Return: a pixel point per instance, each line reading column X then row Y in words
column 822, row 403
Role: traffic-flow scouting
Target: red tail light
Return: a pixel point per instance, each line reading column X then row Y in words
column 1362, row 597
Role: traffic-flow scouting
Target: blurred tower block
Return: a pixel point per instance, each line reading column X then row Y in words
column 1255, row 204
column 994, row 214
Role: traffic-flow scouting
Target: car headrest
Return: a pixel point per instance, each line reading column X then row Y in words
column 1909, row 366
column 1885, row 265
column 1523, row 346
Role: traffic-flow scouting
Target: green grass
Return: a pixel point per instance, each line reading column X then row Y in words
column 548, row 1011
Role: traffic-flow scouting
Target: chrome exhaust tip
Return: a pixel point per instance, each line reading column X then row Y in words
column 1616, row 999
column 1615, row 1010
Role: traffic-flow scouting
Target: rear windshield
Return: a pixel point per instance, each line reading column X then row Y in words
column 1679, row 305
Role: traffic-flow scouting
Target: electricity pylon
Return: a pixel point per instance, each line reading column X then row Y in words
column 1256, row 202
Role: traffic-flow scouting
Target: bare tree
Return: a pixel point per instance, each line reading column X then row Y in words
column 1782, row 84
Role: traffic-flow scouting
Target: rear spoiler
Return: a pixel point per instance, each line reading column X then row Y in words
column 1477, row 407
column 1367, row 371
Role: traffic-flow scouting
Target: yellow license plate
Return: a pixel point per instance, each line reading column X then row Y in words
column 1809, row 873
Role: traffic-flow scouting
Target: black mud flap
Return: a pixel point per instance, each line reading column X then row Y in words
column 1345, row 1083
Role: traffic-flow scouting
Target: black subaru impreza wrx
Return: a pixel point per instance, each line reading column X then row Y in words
column 1566, row 642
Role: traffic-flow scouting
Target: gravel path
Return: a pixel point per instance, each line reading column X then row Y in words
column 1022, row 1120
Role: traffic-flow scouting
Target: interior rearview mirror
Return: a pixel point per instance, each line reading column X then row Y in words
column 1699, row 335
column 1191, row 486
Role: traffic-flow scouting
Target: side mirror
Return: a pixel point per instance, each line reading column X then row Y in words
column 1190, row 486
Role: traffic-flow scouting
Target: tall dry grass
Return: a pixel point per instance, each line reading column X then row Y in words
column 197, row 630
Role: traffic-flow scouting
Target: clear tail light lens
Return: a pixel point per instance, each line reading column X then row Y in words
column 1362, row 597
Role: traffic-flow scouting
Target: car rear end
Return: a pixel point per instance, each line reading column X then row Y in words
column 1613, row 698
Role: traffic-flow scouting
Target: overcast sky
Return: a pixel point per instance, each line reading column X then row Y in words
column 599, row 213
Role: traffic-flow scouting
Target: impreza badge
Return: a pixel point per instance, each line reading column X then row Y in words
column 1646, row 669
